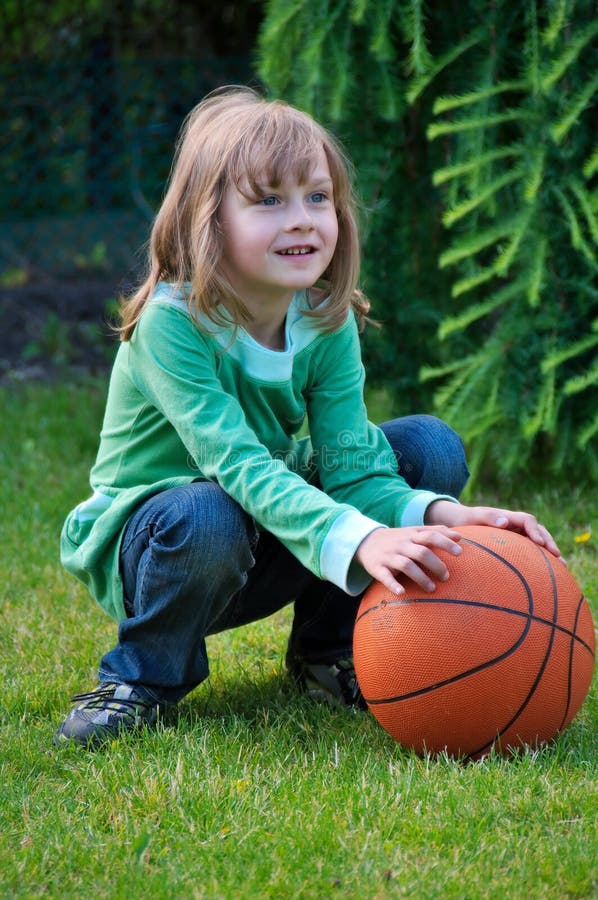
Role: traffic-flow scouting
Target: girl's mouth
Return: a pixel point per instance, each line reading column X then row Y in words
column 296, row 251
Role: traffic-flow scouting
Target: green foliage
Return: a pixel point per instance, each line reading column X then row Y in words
column 471, row 129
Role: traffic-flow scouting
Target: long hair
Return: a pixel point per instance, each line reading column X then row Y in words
column 234, row 135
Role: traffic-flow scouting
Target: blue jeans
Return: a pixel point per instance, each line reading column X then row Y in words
column 193, row 563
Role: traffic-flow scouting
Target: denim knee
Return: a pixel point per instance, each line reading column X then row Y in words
column 430, row 454
column 186, row 554
column 193, row 536
column 218, row 533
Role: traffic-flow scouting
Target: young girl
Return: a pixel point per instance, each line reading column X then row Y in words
column 207, row 512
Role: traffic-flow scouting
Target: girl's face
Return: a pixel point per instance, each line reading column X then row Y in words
column 282, row 240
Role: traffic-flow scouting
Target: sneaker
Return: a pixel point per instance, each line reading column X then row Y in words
column 104, row 713
column 334, row 682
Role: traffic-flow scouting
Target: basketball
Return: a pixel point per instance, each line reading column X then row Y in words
column 499, row 657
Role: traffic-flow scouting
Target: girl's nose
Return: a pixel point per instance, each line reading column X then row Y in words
column 299, row 218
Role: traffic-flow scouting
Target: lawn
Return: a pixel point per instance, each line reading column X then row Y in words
column 253, row 791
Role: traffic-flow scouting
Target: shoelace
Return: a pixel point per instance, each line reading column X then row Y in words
column 103, row 698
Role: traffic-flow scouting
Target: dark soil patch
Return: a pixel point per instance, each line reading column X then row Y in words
column 55, row 329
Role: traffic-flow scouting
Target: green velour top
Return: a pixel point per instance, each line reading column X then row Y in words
column 189, row 403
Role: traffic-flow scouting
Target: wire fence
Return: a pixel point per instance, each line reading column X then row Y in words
column 85, row 150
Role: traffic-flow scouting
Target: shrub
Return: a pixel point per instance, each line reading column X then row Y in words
column 470, row 126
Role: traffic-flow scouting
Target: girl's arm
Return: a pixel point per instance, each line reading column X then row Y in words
column 356, row 464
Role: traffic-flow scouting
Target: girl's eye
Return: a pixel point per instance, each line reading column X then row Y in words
column 269, row 201
column 318, row 197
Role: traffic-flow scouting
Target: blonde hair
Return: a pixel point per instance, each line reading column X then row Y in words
column 231, row 136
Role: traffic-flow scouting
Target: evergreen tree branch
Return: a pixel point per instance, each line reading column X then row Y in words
column 537, row 271
column 582, row 382
column 590, row 167
column 445, row 104
column 555, row 24
column 427, row 373
column 381, row 45
column 576, row 349
column 470, row 282
column 420, row 82
column 479, row 310
column 419, row 61
column 467, row 166
column 476, row 123
column 466, row 206
column 341, row 73
column 470, row 244
column 575, row 231
column 561, row 129
column 535, row 175
column 505, row 257
column 587, row 433
column 542, row 418
column 569, row 56
column 358, row 11
column 586, row 206
column 280, row 25
column 479, row 382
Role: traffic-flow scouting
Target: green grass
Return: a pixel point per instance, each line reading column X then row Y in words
column 254, row 791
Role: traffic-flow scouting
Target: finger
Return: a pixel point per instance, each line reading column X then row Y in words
column 386, row 577
column 410, row 568
column 542, row 536
column 439, row 529
column 505, row 518
column 533, row 529
column 499, row 518
column 426, row 559
column 529, row 525
column 439, row 540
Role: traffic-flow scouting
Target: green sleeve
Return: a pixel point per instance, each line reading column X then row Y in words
column 355, row 462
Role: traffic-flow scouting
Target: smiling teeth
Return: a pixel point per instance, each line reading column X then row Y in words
column 296, row 251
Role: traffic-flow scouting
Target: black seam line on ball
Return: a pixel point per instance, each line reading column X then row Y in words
column 570, row 670
column 542, row 668
column 485, row 605
column 397, row 601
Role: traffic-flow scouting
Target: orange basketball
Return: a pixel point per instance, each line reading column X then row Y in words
column 499, row 656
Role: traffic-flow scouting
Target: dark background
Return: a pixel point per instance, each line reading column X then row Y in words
column 91, row 102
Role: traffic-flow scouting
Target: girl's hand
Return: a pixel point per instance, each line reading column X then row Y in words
column 386, row 551
column 443, row 512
